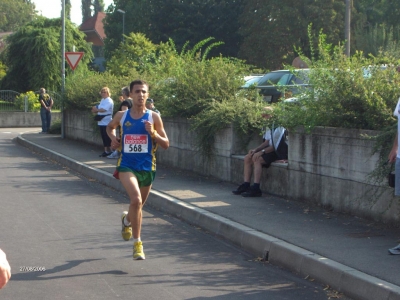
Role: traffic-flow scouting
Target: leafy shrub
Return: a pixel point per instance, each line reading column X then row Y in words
column 205, row 90
column 243, row 114
column 185, row 84
column 82, row 89
column 32, row 102
column 347, row 92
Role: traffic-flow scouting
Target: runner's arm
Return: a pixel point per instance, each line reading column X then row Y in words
column 157, row 131
column 115, row 142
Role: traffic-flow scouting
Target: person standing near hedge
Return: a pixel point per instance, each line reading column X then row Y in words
column 46, row 103
column 104, row 115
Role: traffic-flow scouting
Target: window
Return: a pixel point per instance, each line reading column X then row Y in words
column 272, row 78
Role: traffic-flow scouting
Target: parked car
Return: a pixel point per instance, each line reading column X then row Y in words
column 280, row 83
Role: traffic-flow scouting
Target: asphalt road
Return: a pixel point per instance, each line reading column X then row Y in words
column 67, row 227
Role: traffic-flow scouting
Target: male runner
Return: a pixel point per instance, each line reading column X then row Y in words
column 142, row 130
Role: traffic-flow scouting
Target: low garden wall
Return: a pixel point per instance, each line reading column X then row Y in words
column 326, row 167
column 24, row 119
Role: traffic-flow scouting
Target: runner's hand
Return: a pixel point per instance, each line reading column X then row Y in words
column 149, row 127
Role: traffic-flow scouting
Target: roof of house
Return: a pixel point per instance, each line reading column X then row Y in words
column 94, row 30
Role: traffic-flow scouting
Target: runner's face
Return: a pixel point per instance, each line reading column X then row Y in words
column 139, row 94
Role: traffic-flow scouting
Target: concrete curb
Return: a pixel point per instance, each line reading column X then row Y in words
column 349, row 281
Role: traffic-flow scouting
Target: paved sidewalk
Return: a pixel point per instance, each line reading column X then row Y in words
column 347, row 253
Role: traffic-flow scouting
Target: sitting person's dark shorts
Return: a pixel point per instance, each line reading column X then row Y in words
column 280, row 153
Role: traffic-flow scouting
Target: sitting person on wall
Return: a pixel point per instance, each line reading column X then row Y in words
column 272, row 149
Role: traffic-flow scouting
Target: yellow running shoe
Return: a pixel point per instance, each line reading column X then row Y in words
column 138, row 253
column 126, row 231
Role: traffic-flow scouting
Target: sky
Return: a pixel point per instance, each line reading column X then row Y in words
column 52, row 9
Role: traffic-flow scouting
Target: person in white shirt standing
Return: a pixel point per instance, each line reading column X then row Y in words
column 394, row 157
column 104, row 113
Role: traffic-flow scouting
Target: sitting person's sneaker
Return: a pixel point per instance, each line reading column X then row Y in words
column 252, row 192
column 395, row 250
column 138, row 253
column 114, row 154
column 241, row 189
column 126, row 231
column 105, row 154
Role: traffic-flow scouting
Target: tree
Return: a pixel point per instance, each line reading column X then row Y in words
column 91, row 7
column 33, row 54
column 15, row 13
column 377, row 27
column 378, row 38
column 379, row 12
column 271, row 29
column 68, row 9
column 86, row 10
column 198, row 20
column 134, row 53
column 193, row 21
column 141, row 9
column 98, row 6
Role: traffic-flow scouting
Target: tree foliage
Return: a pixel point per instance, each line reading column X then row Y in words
column 264, row 33
column 379, row 12
column 270, row 29
column 373, row 40
column 90, row 8
column 193, row 21
column 86, row 10
column 98, row 6
column 136, row 52
column 33, row 55
column 15, row 13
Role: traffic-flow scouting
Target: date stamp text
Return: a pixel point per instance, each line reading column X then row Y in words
column 32, row 269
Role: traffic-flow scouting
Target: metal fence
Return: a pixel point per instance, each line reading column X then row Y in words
column 8, row 100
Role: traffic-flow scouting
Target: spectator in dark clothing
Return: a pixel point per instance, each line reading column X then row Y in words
column 46, row 103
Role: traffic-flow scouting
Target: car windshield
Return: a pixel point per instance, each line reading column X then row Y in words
column 272, row 78
column 251, row 81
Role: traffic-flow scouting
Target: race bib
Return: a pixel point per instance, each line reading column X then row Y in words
column 136, row 143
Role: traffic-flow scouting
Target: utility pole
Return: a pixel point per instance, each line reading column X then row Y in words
column 62, row 66
column 347, row 26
